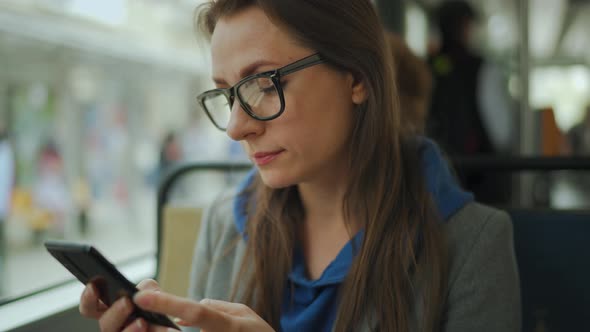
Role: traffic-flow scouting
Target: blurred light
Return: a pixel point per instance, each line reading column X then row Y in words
column 416, row 29
column 581, row 78
column 500, row 32
column 545, row 31
column 499, row 26
column 566, row 89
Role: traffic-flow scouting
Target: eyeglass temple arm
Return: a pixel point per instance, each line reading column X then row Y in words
column 303, row 63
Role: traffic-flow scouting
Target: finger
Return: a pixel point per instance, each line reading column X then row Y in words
column 141, row 325
column 115, row 318
column 190, row 312
column 229, row 308
column 90, row 305
column 138, row 325
column 148, row 284
column 158, row 328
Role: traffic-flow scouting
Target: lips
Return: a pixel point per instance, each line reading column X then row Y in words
column 264, row 158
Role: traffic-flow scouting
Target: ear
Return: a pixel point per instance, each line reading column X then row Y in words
column 358, row 88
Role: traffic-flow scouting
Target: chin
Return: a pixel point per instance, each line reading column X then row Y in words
column 276, row 179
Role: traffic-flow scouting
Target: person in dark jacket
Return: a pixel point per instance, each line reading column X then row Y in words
column 459, row 120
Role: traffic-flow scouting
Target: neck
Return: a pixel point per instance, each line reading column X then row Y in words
column 322, row 199
column 324, row 231
column 323, row 204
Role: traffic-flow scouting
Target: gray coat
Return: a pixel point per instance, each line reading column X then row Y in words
column 483, row 284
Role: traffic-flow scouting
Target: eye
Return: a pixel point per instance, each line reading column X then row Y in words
column 265, row 85
column 268, row 90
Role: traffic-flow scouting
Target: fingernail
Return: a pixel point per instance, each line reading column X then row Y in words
column 139, row 324
column 123, row 303
column 179, row 321
column 89, row 291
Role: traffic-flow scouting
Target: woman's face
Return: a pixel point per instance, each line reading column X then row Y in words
column 309, row 141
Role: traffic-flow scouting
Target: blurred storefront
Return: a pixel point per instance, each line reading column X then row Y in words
column 88, row 90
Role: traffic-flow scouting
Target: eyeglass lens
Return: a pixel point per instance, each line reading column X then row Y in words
column 260, row 96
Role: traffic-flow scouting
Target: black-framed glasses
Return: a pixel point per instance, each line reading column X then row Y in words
column 260, row 95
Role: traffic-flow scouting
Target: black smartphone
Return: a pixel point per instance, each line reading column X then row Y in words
column 89, row 265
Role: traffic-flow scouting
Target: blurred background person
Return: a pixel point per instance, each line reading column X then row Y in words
column 82, row 198
column 51, row 193
column 470, row 109
column 170, row 154
column 413, row 82
column 6, row 186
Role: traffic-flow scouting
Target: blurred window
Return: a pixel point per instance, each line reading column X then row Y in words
column 88, row 102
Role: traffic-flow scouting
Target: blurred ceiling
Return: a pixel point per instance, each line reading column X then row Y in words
column 558, row 28
column 160, row 32
column 157, row 33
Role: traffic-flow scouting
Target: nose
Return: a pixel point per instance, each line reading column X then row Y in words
column 241, row 125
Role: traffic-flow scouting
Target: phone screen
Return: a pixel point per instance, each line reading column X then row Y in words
column 88, row 265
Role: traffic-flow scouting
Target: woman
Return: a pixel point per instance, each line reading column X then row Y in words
column 345, row 224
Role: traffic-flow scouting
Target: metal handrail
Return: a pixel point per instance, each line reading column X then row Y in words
column 516, row 164
column 482, row 163
column 176, row 173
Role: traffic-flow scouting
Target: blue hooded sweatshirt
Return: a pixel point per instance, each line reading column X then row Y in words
column 312, row 304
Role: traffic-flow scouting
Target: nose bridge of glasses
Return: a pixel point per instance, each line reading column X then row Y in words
column 233, row 106
column 230, row 94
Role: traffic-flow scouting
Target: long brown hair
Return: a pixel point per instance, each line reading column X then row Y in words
column 402, row 257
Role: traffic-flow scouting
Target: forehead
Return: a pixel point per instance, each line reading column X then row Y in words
column 249, row 36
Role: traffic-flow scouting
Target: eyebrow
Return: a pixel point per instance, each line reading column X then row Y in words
column 246, row 71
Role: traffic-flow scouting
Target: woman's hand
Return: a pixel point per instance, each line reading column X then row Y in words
column 208, row 315
column 116, row 317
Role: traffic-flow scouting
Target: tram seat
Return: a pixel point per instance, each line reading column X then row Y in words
column 553, row 253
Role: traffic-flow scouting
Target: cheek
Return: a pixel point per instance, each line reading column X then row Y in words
column 302, row 121
column 318, row 116
column 321, row 103
column 317, row 125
